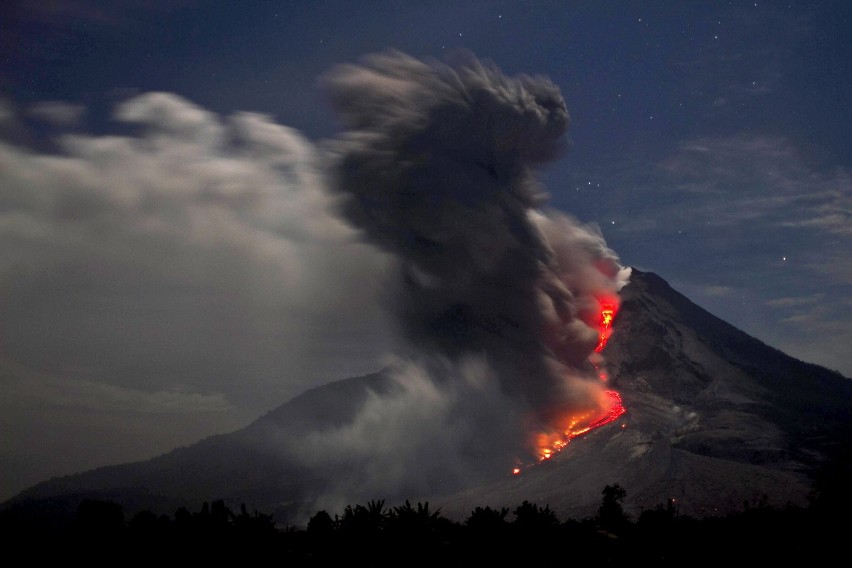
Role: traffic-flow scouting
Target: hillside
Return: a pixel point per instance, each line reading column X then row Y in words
column 715, row 418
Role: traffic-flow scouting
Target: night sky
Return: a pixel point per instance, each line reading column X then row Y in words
column 157, row 285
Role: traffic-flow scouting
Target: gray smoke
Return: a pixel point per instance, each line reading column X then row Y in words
column 437, row 168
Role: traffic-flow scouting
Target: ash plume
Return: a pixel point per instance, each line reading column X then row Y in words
column 437, row 167
column 218, row 246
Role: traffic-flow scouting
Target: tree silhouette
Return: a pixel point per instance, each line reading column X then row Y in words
column 254, row 527
column 486, row 519
column 148, row 527
column 486, row 532
column 417, row 528
column 99, row 520
column 659, row 515
column 407, row 518
column 532, row 534
column 102, row 517
column 321, row 524
column 98, row 530
column 94, row 532
column 611, row 516
column 529, row 517
column 363, row 520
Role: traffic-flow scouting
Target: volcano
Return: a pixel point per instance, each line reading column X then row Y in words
column 715, row 419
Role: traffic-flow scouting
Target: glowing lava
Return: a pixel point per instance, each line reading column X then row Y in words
column 607, row 315
column 548, row 444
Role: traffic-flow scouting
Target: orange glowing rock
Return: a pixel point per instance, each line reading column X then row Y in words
column 605, row 325
column 548, row 444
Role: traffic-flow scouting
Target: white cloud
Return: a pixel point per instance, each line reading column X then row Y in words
column 59, row 113
column 6, row 112
column 197, row 266
column 24, row 388
column 719, row 291
column 746, row 178
column 794, row 301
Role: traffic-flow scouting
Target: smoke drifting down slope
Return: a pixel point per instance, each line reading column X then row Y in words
column 499, row 299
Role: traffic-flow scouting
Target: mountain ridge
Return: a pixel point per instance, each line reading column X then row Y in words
column 705, row 425
column 715, row 418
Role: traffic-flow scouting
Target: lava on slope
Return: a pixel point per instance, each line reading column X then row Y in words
column 549, row 443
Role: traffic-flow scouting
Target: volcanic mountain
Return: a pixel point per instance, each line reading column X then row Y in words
column 715, row 419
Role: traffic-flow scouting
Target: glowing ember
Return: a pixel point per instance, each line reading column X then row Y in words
column 607, row 315
column 548, row 444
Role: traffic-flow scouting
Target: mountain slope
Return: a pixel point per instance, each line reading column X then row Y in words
column 237, row 467
column 715, row 418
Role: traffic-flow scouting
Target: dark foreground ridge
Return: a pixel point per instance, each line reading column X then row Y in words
column 374, row 534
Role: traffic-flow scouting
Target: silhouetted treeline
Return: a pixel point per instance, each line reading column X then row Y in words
column 374, row 534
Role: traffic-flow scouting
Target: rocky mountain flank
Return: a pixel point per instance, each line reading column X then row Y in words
column 715, row 419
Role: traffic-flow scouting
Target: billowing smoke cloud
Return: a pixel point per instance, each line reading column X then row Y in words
column 499, row 299
column 202, row 266
column 168, row 283
column 438, row 166
column 437, row 426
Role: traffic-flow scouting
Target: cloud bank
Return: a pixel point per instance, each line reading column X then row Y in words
column 193, row 266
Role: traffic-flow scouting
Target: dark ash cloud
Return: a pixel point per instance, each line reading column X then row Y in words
column 201, row 266
column 497, row 297
column 437, row 163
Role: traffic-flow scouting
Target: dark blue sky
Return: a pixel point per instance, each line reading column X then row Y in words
column 709, row 140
